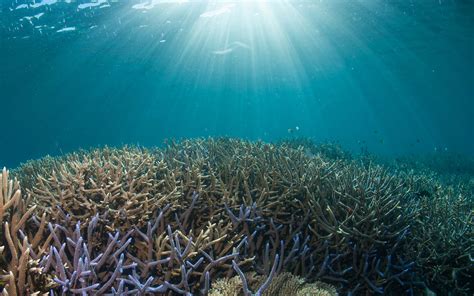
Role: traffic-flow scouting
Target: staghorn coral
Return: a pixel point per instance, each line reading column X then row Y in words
column 19, row 270
column 175, row 220
column 125, row 187
column 442, row 243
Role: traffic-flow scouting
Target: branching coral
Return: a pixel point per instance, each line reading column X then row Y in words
column 442, row 243
column 124, row 187
column 176, row 220
column 19, row 271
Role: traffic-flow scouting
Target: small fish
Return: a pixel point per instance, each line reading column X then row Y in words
column 291, row 130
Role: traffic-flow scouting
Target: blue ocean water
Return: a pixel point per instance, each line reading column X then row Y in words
column 393, row 77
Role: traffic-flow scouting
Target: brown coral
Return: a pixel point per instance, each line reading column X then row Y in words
column 124, row 187
column 282, row 285
column 20, row 273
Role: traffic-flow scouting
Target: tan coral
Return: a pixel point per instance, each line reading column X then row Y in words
column 18, row 271
column 284, row 284
column 316, row 289
column 124, row 187
column 226, row 287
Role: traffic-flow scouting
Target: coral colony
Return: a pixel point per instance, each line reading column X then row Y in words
column 229, row 217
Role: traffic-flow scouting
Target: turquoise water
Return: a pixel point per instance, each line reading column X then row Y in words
column 392, row 77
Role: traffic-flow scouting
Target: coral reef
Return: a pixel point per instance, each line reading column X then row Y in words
column 203, row 214
column 442, row 240
column 442, row 237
